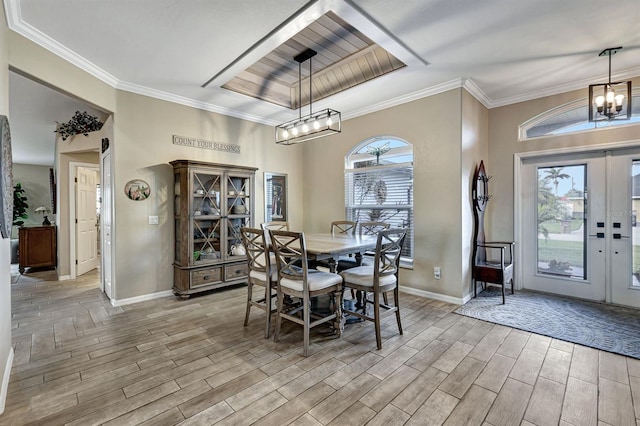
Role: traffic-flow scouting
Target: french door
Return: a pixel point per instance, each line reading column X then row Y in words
column 580, row 234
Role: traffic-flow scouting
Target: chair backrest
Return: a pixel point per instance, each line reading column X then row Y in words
column 291, row 255
column 256, row 247
column 372, row 228
column 343, row 227
column 388, row 251
column 277, row 226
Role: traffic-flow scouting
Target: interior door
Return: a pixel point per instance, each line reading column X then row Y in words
column 580, row 230
column 86, row 233
column 105, row 228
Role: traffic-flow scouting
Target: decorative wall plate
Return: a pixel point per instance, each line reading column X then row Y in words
column 137, row 190
column 6, row 178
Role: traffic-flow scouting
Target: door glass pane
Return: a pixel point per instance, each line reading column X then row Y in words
column 562, row 215
column 635, row 230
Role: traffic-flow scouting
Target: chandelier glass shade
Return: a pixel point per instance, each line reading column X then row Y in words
column 313, row 125
column 612, row 100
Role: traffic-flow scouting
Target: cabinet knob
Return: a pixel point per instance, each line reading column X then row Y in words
column 206, row 277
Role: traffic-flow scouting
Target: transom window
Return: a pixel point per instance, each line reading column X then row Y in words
column 379, row 185
column 573, row 118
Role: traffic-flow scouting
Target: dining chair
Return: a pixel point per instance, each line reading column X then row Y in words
column 303, row 283
column 372, row 228
column 340, row 227
column 262, row 272
column 378, row 279
column 343, row 227
column 278, row 226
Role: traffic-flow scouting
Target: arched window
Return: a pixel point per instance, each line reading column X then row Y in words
column 379, row 185
column 572, row 118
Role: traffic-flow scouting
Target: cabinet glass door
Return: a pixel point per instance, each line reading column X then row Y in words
column 239, row 205
column 206, row 217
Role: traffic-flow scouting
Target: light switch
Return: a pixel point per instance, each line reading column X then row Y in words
column 153, row 220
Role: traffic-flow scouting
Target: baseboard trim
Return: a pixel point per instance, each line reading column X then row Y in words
column 64, row 277
column 436, row 296
column 5, row 380
column 115, row 303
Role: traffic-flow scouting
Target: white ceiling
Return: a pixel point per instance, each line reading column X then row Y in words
column 503, row 51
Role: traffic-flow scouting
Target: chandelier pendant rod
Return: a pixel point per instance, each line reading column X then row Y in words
column 310, row 86
column 300, row 90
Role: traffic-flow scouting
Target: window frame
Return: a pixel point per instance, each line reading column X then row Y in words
column 565, row 108
column 355, row 155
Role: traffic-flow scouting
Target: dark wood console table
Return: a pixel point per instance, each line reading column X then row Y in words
column 37, row 247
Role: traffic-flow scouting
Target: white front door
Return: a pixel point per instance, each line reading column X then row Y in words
column 625, row 233
column 86, row 233
column 577, row 226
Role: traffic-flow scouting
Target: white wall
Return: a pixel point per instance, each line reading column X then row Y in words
column 6, row 351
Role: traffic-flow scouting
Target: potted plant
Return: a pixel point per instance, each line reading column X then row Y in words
column 80, row 123
column 20, row 205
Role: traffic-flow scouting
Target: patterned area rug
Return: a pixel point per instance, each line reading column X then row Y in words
column 598, row 325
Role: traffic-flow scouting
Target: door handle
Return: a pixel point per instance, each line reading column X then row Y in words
column 619, row 236
column 598, row 235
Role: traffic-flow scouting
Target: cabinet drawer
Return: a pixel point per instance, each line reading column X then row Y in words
column 237, row 270
column 206, row 276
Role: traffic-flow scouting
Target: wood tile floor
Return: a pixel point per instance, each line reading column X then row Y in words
column 79, row 361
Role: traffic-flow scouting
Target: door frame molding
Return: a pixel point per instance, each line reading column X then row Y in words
column 112, row 218
column 73, row 170
column 518, row 159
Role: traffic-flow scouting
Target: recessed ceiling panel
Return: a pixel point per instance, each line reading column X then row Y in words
column 345, row 58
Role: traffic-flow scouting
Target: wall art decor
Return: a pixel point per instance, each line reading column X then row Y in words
column 6, row 179
column 137, row 190
column 275, row 197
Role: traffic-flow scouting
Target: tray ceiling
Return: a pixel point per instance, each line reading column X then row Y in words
column 345, row 59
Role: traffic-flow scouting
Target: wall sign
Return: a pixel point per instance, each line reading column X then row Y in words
column 205, row 144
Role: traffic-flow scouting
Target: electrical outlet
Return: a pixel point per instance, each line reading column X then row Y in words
column 153, row 220
column 436, row 272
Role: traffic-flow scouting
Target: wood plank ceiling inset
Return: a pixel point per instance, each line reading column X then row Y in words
column 345, row 58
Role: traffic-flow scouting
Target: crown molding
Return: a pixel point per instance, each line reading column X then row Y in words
column 563, row 88
column 419, row 94
column 475, row 91
column 181, row 100
column 15, row 23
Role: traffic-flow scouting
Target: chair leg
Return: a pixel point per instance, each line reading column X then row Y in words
column 267, row 305
column 385, row 298
column 511, row 285
column 339, row 323
column 249, row 296
column 376, row 318
column 503, row 285
column 396, row 302
column 475, row 288
column 276, row 333
column 306, row 316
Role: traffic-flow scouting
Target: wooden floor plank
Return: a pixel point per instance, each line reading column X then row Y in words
column 80, row 361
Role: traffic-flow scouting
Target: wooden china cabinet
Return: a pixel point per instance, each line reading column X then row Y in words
column 212, row 202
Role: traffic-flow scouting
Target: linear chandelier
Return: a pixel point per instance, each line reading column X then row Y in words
column 610, row 101
column 313, row 125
